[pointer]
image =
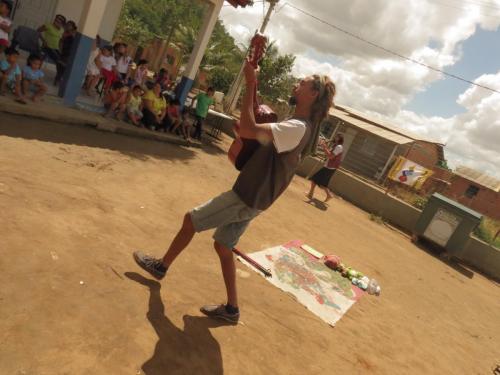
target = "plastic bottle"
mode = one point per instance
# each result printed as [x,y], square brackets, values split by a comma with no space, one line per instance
[373,287]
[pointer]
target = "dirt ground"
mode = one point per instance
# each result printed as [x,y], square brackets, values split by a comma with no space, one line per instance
[75,203]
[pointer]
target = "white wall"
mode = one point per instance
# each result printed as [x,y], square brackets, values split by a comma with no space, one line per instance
[111,15]
[71,9]
[34,13]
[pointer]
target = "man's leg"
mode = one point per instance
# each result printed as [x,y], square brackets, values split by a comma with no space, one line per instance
[226,237]
[180,242]
[158,267]
[231,217]
[228,271]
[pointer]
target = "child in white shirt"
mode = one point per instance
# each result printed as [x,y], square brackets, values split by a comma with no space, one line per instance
[93,72]
[5,24]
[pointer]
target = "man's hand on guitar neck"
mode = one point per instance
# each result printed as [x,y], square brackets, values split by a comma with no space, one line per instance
[248,127]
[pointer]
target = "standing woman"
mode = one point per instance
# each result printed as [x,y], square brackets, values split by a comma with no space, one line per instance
[50,34]
[65,45]
[333,160]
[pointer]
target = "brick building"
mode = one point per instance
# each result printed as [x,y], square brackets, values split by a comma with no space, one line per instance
[475,190]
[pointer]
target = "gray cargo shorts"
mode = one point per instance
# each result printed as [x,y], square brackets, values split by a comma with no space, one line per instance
[228,214]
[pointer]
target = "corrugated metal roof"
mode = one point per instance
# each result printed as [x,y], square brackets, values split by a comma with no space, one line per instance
[479,178]
[383,124]
[379,131]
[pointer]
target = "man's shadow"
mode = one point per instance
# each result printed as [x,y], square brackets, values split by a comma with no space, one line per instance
[190,351]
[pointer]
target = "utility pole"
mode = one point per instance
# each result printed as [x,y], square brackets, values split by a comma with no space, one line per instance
[235,90]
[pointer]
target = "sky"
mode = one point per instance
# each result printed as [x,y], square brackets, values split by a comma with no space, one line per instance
[461,37]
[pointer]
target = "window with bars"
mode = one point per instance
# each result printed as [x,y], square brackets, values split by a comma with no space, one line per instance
[327,129]
[471,191]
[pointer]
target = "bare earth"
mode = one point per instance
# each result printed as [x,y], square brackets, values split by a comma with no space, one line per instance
[74,204]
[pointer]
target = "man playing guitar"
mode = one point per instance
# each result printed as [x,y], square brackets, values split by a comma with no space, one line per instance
[264,177]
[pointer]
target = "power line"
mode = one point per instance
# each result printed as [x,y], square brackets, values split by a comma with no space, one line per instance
[458,7]
[352,35]
[485,4]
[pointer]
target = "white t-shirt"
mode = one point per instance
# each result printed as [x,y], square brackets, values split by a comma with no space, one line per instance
[7,22]
[107,62]
[288,134]
[91,66]
[122,64]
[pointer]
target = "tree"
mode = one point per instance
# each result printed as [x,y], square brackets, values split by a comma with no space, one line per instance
[275,77]
[132,29]
[179,21]
[142,20]
[221,78]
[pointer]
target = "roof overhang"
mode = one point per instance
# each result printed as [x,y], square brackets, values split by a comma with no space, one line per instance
[390,127]
[479,178]
[370,128]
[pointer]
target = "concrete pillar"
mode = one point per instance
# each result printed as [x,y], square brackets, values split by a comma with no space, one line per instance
[204,35]
[88,27]
[110,19]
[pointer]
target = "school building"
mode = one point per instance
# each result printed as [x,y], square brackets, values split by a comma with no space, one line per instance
[99,17]
[371,145]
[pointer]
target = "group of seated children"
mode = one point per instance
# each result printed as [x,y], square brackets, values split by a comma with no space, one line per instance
[102,64]
[28,82]
[112,64]
[57,39]
[11,76]
[151,110]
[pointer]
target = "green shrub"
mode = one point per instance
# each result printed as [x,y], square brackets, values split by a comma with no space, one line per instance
[486,230]
[376,218]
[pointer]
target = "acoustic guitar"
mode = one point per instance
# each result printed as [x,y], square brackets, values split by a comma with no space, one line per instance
[242,149]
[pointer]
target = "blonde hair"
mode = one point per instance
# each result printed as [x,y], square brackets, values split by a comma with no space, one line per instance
[320,108]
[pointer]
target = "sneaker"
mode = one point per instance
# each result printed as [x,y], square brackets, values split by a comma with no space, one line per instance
[152,265]
[220,312]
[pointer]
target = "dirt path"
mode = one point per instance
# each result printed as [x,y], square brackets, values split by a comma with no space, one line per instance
[74,204]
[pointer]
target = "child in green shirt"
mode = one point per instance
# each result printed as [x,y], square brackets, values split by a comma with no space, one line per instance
[203,102]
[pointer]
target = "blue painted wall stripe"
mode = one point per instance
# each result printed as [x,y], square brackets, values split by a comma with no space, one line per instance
[75,70]
[183,88]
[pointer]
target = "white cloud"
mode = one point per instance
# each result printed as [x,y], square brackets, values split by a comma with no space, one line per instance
[372,80]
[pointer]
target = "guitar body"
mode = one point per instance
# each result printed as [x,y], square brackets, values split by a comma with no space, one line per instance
[242,149]
[264,115]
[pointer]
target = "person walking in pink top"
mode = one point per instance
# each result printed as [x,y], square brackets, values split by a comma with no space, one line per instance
[333,160]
